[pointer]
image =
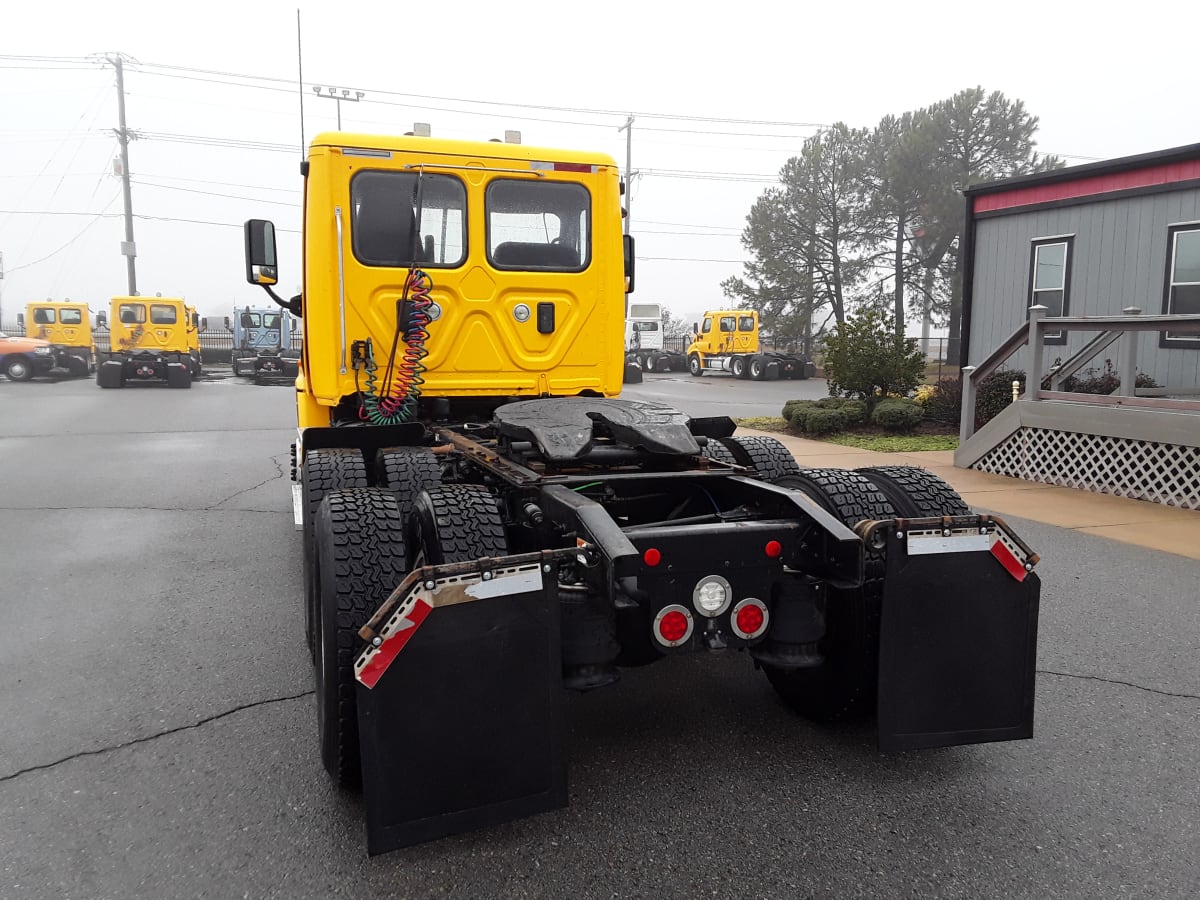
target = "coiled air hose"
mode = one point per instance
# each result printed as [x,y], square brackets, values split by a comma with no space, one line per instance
[395,401]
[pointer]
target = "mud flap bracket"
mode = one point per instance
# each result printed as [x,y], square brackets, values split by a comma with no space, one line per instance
[958,634]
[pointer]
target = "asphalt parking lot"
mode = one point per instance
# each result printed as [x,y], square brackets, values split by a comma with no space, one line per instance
[159,734]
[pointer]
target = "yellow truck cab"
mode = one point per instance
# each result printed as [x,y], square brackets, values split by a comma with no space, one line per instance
[66,325]
[151,339]
[727,340]
[523,287]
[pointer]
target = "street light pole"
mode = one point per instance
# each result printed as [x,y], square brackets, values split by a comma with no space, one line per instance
[338,94]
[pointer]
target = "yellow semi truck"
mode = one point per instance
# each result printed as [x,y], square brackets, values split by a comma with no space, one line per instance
[68,326]
[728,340]
[486,524]
[151,339]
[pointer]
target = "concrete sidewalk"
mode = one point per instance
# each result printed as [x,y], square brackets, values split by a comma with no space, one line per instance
[1152,525]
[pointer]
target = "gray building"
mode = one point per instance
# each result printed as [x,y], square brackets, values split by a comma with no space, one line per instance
[1066,273]
[1088,241]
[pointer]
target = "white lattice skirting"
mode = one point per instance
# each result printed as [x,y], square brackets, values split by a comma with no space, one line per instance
[1144,470]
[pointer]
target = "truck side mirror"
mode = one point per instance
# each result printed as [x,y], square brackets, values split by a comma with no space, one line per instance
[261,266]
[21,320]
[204,324]
[629,263]
[101,320]
[228,324]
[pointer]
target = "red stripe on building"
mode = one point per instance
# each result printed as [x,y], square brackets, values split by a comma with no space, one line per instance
[1167,173]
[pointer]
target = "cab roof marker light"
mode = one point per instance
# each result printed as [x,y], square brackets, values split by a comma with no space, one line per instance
[359,151]
[539,166]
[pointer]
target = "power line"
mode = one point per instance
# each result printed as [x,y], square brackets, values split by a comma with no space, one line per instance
[103,214]
[170,187]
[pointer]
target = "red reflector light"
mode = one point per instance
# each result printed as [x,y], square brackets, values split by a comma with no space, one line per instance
[652,557]
[674,626]
[572,167]
[750,619]
[774,548]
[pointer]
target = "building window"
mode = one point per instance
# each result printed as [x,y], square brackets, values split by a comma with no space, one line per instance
[1050,280]
[1182,295]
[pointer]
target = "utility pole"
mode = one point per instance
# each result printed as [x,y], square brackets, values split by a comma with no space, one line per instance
[628,129]
[128,247]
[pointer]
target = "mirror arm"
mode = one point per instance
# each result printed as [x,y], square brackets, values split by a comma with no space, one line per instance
[293,306]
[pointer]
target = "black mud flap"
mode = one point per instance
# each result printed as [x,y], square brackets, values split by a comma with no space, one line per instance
[465,729]
[958,635]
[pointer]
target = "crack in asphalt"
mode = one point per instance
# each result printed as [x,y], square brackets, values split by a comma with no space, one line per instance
[278,474]
[1140,687]
[153,737]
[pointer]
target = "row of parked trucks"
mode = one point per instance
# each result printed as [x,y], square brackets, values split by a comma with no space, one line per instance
[487,525]
[150,339]
[726,341]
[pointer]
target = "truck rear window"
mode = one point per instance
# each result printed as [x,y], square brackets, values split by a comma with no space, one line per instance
[539,225]
[70,317]
[131,313]
[745,323]
[385,216]
[161,314]
[43,316]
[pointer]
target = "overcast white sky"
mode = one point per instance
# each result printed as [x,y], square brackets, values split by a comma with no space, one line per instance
[1104,82]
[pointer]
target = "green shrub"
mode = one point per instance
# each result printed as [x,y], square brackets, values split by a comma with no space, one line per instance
[1103,381]
[865,359]
[855,411]
[791,406]
[897,415]
[799,414]
[944,403]
[824,421]
[994,394]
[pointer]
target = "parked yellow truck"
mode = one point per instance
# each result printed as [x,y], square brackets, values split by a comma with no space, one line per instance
[151,339]
[487,524]
[728,340]
[68,326]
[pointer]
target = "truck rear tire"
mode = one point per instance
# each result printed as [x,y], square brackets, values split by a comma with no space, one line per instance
[844,684]
[455,523]
[715,449]
[406,471]
[758,368]
[737,366]
[324,470]
[767,456]
[695,366]
[650,363]
[361,557]
[917,492]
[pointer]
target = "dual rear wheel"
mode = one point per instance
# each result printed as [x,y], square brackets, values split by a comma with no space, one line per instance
[366,541]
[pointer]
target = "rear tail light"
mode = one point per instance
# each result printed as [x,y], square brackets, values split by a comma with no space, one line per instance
[749,619]
[673,625]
